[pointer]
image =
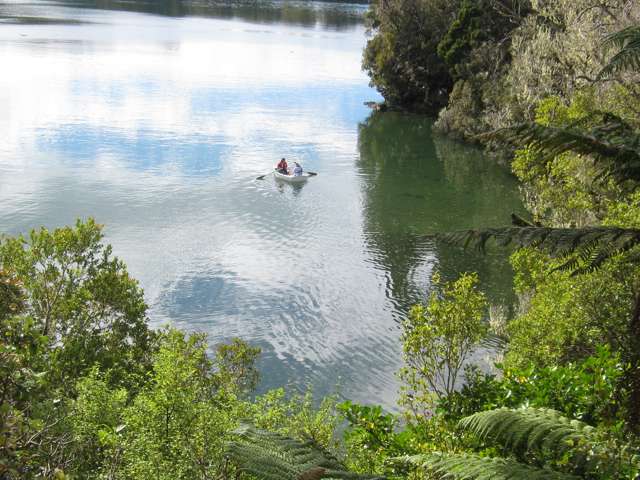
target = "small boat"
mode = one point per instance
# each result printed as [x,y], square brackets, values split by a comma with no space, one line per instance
[291,178]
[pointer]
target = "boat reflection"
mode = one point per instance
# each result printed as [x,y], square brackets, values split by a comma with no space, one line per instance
[294,187]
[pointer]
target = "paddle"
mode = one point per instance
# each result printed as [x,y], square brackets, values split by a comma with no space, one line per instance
[262,176]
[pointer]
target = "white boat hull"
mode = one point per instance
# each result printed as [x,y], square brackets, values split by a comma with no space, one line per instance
[291,178]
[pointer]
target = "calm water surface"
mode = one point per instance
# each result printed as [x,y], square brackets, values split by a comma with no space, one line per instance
[156,118]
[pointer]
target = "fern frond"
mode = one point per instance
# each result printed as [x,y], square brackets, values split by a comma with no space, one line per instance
[613,144]
[627,41]
[589,247]
[529,429]
[472,467]
[271,456]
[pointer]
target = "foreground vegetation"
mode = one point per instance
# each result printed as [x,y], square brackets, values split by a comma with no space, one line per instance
[87,390]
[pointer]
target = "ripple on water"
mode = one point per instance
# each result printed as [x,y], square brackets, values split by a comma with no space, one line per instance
[158,127]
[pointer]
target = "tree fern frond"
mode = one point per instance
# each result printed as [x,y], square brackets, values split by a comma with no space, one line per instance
[473,467]
[271,456]
[518,221]
[622,37]
[590,246]
[613,144]
[627,41]
[528,430]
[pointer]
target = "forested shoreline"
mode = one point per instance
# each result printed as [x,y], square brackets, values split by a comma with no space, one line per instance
[482,65]
[89,390]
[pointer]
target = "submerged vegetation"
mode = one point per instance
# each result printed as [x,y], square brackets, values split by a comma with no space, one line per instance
[88,390]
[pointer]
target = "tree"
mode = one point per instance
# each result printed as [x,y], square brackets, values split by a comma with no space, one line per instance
[480,22]
[535,443]
[97,426]
[298,416]
[33,438]
[236,367]
[401,56]
[83,300]
[613,144]
[176,425]
[438,338]
[584,250]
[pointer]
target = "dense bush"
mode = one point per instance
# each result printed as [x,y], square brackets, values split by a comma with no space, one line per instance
[437,340]
[484,64]
[88,391]
[83,301]
[401,56]
[585,390]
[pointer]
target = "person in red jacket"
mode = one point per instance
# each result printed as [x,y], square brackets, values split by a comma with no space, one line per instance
[283,167]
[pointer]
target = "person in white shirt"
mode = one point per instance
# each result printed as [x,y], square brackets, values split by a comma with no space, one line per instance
[297,170]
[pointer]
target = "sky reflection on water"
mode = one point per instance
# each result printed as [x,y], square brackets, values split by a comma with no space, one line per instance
[157,126]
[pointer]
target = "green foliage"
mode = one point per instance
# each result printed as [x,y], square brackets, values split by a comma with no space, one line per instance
[543,436]
[296,416]
[478,22]
[82,299]
[460,117]
[573,188]
[528,430]
[438,338]
[465,33]
[401,56]
[585,390]
[612,143]
[370,422]
[627,41]
[11,295]
[97,423]
[534,442]
[561,191]
[566,317]
[624,213]
[469,467]
[236,370]
[30,416]
[87,391]
[177,424]
[374,438]
[271,456]
[371,437]
[582,249]
[33,418]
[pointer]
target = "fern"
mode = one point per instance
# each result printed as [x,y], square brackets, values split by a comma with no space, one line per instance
[535,436]
[271,456]
[627,41]
[584,249]
[529,430]
[471,467]
[612,143]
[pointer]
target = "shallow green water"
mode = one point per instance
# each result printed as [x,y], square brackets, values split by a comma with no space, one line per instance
[156,118]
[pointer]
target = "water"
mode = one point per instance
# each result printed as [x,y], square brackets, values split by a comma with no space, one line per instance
[156,118]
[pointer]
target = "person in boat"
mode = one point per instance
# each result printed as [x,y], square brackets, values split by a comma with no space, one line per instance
[282,167]
[297,170]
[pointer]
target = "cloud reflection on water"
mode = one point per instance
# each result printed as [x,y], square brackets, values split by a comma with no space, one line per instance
[158,127]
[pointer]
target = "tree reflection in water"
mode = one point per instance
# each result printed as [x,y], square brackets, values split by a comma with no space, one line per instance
[416,183]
